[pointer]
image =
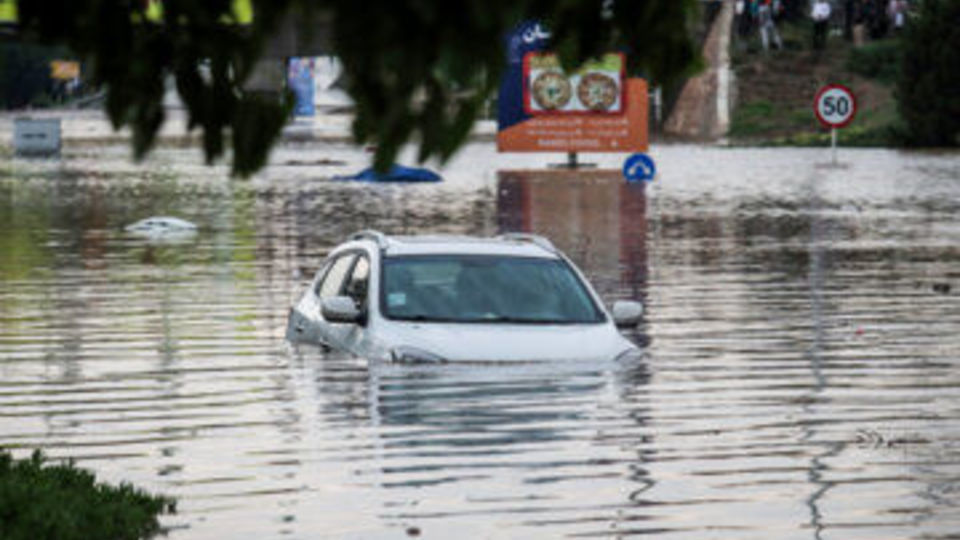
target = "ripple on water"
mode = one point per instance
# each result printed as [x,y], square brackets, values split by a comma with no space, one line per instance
[799,378]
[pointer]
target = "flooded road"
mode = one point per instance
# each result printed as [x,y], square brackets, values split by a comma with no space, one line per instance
[800,378]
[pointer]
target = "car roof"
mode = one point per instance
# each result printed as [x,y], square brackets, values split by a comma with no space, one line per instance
[510,245]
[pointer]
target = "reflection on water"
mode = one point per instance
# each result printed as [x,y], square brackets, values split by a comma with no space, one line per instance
[592,215]
[799,378]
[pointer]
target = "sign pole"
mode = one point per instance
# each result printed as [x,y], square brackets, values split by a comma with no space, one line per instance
[833,144]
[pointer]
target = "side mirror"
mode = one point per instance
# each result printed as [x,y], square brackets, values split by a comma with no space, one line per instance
[627,313]
[340,309]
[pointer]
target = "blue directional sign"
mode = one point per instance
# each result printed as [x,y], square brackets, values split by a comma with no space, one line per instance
[300,80]
[639,168]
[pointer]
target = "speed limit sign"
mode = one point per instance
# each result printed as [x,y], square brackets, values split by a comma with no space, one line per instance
[835,106]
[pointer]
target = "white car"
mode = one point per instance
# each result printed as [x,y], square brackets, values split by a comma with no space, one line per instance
[436,299]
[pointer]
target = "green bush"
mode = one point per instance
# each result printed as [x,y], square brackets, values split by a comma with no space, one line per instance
[752,118]
[927,86]
[60,502]
[876,60]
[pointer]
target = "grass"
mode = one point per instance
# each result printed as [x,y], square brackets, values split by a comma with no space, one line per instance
[760,118]
[40,500]
[879,60]
[854,136]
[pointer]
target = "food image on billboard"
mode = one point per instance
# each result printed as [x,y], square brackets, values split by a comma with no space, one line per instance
[595,88]
[598,92]
[550,91]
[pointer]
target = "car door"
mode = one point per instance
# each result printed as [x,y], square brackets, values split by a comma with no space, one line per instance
[301,327]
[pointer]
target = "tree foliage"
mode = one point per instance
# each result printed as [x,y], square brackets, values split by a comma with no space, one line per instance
[40,500]
[418,70]
[928,88]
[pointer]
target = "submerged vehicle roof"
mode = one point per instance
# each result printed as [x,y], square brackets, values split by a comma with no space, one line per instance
[510,245]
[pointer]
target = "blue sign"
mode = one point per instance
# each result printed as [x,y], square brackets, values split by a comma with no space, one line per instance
[639,168]
[300,79]
[529,36]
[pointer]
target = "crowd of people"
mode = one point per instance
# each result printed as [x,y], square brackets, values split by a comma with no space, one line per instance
[874,19]
[856,20]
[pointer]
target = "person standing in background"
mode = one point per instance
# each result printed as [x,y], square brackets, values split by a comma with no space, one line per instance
[876,19]
[859,23]
[848,9]
[821,20]
[743,19]
[768,28]
[897,11]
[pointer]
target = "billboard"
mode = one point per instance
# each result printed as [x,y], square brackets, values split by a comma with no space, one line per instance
[542,108]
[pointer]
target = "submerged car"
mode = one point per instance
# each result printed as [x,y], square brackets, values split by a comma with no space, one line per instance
[437,299]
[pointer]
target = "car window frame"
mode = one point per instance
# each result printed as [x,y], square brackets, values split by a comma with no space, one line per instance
[360,255]
[320,276]
[601,314]
[331,262]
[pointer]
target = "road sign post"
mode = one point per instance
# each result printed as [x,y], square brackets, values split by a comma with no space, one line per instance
[835,107]
[833,146]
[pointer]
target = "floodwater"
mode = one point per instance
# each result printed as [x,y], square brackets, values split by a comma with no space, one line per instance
[800,375]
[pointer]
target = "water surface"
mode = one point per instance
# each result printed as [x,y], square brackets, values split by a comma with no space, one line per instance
[799,377]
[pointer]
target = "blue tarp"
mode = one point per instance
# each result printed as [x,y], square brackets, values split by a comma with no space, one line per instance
[397,173]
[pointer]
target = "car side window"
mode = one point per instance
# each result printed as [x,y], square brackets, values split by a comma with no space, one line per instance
[332,283]
[358,284]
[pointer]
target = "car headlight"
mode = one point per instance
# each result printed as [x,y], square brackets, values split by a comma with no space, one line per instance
[413,355]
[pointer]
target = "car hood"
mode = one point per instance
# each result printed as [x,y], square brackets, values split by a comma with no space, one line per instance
[509,342]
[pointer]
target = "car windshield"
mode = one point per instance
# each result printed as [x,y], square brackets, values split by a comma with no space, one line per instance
[485,289]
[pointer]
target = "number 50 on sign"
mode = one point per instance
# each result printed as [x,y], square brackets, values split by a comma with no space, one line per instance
[835,106]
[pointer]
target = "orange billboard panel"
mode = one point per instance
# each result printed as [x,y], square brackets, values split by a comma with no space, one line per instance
[623,128]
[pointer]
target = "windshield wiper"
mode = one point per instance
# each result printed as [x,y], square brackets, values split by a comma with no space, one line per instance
[498,319]
[423,318]
[507,319]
